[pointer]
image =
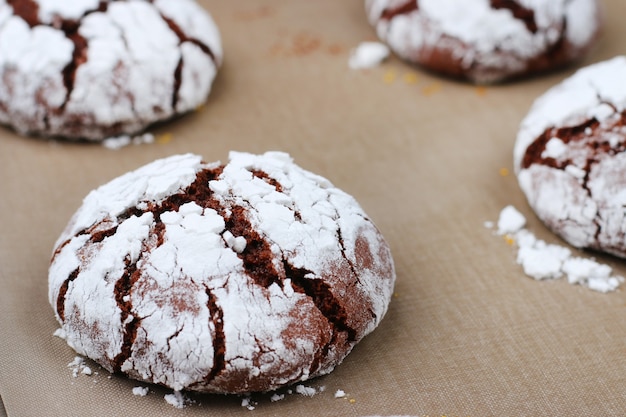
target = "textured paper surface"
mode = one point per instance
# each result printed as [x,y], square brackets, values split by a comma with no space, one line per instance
[467,333]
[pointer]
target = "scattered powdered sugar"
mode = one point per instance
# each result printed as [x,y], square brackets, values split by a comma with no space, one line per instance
[248,403]
[115,143]
[306,391]
[77,365]
[176,399]
[510,220]
[340,393]
[277,397]
[541,260]
[141,391]
[367,55]
[251,403]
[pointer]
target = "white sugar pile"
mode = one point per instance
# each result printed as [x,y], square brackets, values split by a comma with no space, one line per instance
[118,142]
[367,55]
[541,260]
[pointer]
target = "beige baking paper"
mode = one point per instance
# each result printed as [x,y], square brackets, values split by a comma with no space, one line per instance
[430,160]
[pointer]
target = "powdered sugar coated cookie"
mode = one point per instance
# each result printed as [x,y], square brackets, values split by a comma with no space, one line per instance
[486,41]
[570,157]
[221,278]
[92,69]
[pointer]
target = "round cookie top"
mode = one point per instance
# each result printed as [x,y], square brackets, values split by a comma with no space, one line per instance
[92,69]
[570,157]
[220,278]
[486,41]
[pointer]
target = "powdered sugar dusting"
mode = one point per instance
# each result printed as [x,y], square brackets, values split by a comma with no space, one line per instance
[583,95]
[175,273]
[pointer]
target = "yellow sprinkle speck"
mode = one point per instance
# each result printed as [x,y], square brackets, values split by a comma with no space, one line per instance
[164,138]
[389,77]
[509,240]
[504,172]
[431,89]
[200,107]
[395,294]
[352,401]
[410,78]
[481,91]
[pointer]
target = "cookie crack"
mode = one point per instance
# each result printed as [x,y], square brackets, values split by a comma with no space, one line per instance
[182,38]
[216,318]
[322,296]
[526,15]
[591,128]
[28,10]
[406,8]
[122,290]
[60,304]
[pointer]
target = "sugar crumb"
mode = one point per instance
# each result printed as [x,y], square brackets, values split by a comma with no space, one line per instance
[306,391]
[248,403]
[510,220]
[368,55]
[340,394]
[141,391]
[118,142]
[544,261]
[277,397]
[175,399]
[60,333]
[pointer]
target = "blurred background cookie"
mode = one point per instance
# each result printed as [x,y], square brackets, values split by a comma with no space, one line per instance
[487,41]
[94,69]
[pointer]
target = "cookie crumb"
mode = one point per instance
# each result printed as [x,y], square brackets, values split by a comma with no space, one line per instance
[431,89]
[141,391]
[368,55]
[389,77]
[410,78]
[340,394]
[481,91]
[163,139]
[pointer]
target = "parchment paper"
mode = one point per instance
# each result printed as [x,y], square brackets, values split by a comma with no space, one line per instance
[467,333]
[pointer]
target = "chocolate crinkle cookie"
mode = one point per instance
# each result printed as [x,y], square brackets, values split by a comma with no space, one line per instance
[570,157]
[487,41]
[229,278]
[92,69]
